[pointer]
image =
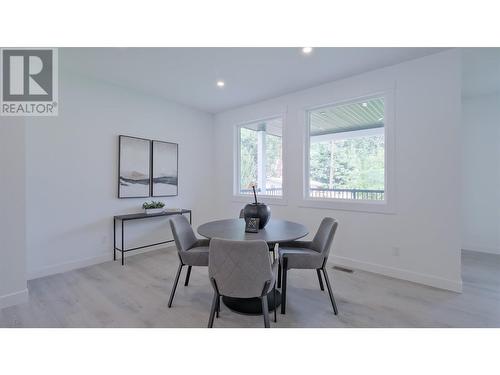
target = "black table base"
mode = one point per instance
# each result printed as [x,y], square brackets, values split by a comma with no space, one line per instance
[251,306]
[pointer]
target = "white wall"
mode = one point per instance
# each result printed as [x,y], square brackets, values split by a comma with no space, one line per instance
[71,171]
[425,229]
[12,212]
[481,173]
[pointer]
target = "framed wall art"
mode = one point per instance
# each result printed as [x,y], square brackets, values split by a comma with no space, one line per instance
[134,167]
[165,169]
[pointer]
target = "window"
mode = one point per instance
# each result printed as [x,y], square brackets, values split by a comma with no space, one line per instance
[347,151]
[260,157]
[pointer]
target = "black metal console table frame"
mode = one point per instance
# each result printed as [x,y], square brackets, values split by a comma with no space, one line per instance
[140,216]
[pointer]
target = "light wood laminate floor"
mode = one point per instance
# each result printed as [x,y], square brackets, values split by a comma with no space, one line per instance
[109,295]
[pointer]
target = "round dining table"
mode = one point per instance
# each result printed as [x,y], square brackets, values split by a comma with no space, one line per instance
[275,231]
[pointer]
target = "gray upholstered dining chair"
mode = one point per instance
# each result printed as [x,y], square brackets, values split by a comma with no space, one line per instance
[241,269]
[191,250]
[308,255]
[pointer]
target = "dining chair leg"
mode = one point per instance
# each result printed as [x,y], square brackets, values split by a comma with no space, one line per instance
[275,303]
[218,308]
[279,274]
[283,287]
[172,293]
[318,271]
[272,246]
[265,311]
[213,309]
[329,287]
[187,276]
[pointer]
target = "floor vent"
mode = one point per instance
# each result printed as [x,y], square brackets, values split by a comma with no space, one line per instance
[342,269]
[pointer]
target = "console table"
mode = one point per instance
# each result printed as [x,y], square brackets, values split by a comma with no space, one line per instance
[140,216]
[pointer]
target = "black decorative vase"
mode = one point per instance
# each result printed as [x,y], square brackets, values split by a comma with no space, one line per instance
[259,210]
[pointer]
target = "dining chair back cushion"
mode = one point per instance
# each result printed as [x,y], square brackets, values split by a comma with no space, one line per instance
[183,233]
[322,241]
[239,268]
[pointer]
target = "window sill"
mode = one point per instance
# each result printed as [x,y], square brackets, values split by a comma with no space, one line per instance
[383,207]
[271,201]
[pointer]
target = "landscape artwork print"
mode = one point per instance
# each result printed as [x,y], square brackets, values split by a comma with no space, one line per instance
[134,167]
[165,169]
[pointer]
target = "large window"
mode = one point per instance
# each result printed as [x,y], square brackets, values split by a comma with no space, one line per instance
[347,151]
[260,157]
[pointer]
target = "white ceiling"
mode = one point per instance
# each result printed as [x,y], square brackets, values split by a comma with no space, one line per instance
[481,71]
[189,75]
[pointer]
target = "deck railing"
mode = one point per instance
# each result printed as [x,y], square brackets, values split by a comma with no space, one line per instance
[270,191]
[354,194]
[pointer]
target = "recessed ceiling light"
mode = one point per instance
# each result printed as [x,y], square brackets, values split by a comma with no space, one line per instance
[220,84]
[323,113]
[381,119]
[364,104]
[307,50]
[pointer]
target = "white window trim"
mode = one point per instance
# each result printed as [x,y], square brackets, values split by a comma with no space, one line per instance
[268,199]
[387,206]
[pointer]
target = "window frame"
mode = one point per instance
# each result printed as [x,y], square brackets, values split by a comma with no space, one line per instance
[385,206]
[270,199]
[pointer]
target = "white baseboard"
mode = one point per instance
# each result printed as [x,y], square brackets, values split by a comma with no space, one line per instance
[81,263]
[420,278]
[481,249]
[15,298]
[68,266]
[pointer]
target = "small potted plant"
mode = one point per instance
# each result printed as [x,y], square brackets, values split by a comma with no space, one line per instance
[153,207]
